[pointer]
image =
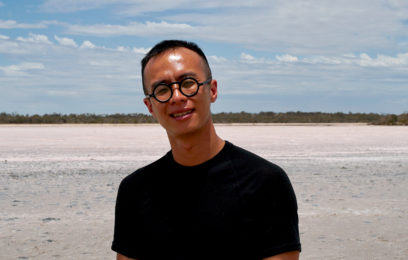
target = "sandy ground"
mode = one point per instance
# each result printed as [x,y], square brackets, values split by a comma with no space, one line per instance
[58,185]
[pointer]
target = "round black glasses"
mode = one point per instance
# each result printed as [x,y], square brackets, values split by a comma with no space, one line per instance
[188,87]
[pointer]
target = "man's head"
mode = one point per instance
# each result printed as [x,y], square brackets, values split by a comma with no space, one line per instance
[179,87]
[169,45]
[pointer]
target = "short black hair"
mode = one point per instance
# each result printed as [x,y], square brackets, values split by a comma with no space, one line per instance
[171,44]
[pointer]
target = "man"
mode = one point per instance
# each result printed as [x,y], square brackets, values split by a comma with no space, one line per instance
[206,198]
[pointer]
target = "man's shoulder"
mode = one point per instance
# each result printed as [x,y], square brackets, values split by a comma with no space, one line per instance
[258,180]
[249,164]
[143,174]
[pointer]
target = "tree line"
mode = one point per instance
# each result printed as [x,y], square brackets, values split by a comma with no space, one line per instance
[241,117]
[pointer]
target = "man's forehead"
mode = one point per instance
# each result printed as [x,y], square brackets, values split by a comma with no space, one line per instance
[174,55]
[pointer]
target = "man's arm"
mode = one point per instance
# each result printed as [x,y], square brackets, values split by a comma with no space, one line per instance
[122,257]
[292,255]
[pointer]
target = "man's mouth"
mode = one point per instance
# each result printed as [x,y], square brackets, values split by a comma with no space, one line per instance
[181,114]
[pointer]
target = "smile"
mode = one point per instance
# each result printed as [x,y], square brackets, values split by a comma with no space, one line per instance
[182,114]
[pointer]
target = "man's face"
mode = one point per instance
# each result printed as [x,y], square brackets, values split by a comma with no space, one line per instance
[181,115]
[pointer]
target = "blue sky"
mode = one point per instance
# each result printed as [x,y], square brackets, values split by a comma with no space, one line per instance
[82,56]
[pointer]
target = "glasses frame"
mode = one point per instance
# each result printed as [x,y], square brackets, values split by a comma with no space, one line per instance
[179,88]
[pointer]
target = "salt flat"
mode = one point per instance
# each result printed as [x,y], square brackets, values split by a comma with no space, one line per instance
[58,185]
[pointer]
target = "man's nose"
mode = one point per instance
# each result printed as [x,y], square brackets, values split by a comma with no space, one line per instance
[177,95]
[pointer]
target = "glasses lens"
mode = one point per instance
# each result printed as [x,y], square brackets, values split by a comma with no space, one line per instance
[189,87]
[162,92]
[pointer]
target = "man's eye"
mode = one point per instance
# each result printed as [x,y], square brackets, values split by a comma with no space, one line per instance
[161,90]
[188,84]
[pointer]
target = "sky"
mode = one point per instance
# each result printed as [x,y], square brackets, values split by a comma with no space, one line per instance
[83,56]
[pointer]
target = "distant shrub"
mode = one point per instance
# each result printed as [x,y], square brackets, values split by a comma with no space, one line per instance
[241,117]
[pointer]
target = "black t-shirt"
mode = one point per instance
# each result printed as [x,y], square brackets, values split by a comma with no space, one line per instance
[237,205]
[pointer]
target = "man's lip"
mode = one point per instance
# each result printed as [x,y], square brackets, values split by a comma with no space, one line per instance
[181,113]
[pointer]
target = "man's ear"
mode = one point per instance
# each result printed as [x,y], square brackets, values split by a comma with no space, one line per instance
[213,90]
[148,104]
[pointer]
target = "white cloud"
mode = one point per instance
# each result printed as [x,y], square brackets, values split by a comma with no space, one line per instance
[108,78]
[4,37]
[287,58]
[363,60]
[30,66]
[217,59]
[140,29]
[87,45]
[384,61]
[166,25]
[103,80]
[11,24]
[35,38]
[9,47]
[137,7]
[75,5]
[65,41]
[329,60]
[121,7]
[1,4]
[298,27]
[28,46]
[122,48]
[104,63]
[140,50]
[19,70]
[247,57]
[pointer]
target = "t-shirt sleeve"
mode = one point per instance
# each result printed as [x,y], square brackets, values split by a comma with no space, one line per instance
[124,238]
[276,216]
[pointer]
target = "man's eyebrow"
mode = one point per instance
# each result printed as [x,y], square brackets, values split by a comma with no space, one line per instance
[154,84]
[180,77]
[188,74]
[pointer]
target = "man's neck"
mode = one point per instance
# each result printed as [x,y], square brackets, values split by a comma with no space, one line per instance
[196,148]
